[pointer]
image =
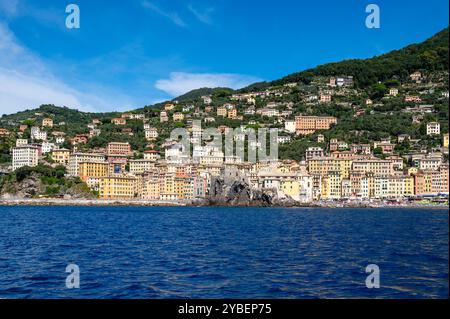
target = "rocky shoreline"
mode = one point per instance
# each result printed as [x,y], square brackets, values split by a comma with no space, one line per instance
[143,203]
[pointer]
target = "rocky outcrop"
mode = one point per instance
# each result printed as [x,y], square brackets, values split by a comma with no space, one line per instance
[27,188]
[32,186]
[238,193]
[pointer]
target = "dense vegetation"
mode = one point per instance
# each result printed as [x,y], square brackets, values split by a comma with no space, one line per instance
[357,122]
[43,181]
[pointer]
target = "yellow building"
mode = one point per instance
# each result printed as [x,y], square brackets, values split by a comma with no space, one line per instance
[323,165]
[331,185]
[47,122]
[222,111]
[169,107]
[290,187]
[61,156]
[184,187]
[151,188]
[88,170]
[178,117]
[375,166]
[445,142]
[167,181]
[117,187]
[232,113]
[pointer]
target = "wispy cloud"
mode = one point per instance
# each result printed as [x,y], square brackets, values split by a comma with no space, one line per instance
[27,82]
[181,82]
[172,16]
[203,16]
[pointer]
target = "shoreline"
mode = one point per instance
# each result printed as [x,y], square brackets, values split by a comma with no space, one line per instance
[144,203]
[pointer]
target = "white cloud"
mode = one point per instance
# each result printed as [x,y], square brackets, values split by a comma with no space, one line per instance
[19,91]
[26,82]
[172,16]
[180,82]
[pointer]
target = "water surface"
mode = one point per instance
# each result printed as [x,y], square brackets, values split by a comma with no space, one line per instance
[173,252]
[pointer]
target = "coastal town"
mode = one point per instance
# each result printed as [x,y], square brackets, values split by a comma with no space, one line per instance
[333,169]
[364,132]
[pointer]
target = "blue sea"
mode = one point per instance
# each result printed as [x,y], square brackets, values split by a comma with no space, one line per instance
[189,252]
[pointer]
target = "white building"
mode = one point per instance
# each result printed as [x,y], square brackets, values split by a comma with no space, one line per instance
[314,152]
[25,156]
[141,166]
[433,128]
[21,142]
[151,134]
[37,134]
[283,139]
[289,126]
[47,147]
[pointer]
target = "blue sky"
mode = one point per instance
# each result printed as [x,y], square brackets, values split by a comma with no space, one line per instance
[131,53]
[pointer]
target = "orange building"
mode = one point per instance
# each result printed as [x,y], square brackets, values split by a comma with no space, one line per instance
[119,149]
[309,124]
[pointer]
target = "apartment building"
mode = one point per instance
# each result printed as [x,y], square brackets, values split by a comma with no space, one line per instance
[141,166]
[37,134]
[60,156]
[433,128]
[374,166]
[323,165]
[25,156]
[332,185]
[88,170]
[119,149]
[313,152]
[152,155]
[21,142]
[76,158]
[222,111]
[232,114]
[393,186]
[163,117]
[306,125]
[47,147]
[117,187]
[151,134]
[432,182]
[178,117]
[290,126]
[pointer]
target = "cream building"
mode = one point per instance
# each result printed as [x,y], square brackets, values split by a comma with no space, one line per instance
[25,156]
[76,158]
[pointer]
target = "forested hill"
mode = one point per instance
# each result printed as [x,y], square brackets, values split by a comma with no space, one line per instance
[430,55]
[59,114]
